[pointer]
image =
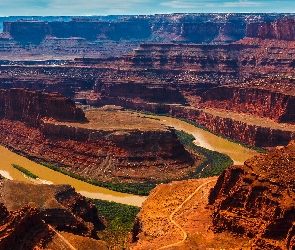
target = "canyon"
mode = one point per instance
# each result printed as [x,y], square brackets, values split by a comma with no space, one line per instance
[102,144]
[68,37]
[231,74]
[178,78]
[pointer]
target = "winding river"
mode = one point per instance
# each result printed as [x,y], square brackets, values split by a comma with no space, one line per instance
[203,138]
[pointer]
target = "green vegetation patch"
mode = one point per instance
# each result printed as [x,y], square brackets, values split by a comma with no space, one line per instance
[120,220]
[149,117]
[214,162]
[25,171]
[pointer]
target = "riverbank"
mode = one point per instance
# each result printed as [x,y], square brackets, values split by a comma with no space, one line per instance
[208,140]
[203,138]
[8,157]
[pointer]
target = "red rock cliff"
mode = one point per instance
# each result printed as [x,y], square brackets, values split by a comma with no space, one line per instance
[258,101]
[58,205]
[281,29]
[257,199]
[30,106]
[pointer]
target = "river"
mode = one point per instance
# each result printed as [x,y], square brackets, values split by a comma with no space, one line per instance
[203,138]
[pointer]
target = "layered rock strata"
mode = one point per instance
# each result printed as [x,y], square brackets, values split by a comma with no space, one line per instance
[281,29]
[257,199]
[255,100]
[23,228]
[156,75]
[110,146]
[30,106]
[251,130]
[59,205]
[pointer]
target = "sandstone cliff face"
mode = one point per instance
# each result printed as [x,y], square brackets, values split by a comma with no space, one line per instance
[259,133]
[281,29]
[186,57]
[255,101]
[200,28]
[126,156]
[110,36]
[30,106]
[134,28]
[257,199]
[139,91]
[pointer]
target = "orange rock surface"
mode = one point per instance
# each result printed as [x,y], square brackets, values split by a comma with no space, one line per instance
[154,229]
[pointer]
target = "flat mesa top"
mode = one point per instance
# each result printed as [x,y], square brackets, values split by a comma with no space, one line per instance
[102,119]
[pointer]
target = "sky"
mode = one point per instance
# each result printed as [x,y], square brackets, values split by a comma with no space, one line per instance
[116,7]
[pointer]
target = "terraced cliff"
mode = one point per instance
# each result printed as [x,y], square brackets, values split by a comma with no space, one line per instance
[159,77]
[30,106]
[107,36]
[256,199]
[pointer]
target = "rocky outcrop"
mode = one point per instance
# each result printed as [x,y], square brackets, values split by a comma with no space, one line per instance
[257,199]
[108,36]
[26,31]
[200,28]
[58,205]
[250,205]
[31,216]
[31,106]
[23,229]
[115,155]
[140,91]
[48,127]
[222,58]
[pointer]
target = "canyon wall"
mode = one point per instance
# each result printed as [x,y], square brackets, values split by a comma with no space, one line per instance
[35,31]
[109,36]
[23,228]
[59,205]
[260,135]
[156,75]
[30,106]
[268,103]
[256,199]
[281,29]
[121,155]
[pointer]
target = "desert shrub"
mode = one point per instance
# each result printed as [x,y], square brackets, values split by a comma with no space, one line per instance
[120,219]
[25,171]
